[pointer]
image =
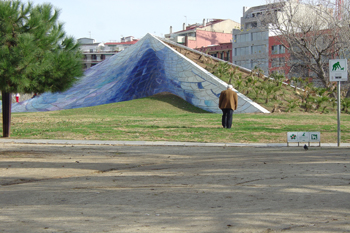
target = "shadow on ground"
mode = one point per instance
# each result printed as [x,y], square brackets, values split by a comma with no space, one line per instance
[173,189]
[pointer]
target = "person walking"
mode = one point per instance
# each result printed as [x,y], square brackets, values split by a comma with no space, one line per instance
[228,102]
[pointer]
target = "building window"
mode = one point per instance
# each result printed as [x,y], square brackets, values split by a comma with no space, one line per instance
[278,49]
[244,63]
[282,61]
[242,51]
[112,47]
[256,36]
[251,25]
[93,57]
[103,56]
[282,49]
[258,63]
[243,37]
[277,62]
[274,49]
[274,62]
[258,49]
[259,36]
[228,55]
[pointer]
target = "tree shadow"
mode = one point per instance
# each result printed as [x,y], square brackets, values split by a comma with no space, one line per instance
[177,102]
[184,189]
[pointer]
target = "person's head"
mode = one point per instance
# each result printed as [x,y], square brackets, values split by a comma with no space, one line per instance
[229,86]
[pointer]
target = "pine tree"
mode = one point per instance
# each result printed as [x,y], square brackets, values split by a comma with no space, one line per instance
[35,54]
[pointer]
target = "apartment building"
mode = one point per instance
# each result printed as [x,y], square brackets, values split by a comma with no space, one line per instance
[256,43]
[250,45]
[96,52]
[209,32]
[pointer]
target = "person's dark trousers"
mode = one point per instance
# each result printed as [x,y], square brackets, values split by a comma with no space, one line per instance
[227,117]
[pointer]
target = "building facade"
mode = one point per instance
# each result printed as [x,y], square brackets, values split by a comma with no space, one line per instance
[279,57]
[210,32]
[250,48]
[250,45]
[94,53]
[281,61]
[256,43]
[222,51]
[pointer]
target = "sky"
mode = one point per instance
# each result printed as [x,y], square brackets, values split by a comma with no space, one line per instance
[109,20]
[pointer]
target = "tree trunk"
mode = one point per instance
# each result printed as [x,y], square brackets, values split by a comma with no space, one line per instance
[6,113]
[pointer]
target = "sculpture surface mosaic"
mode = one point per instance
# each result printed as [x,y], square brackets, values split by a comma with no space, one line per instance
[144,69]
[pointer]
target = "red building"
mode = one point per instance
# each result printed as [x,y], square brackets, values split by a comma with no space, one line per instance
[280,59]
[222,51]
[278,56]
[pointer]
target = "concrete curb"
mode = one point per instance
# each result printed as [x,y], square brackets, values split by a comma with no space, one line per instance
[162,143]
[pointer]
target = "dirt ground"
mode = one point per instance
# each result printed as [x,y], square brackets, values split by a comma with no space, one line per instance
[80,188]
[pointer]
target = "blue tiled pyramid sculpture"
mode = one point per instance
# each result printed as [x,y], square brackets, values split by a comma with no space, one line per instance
[147,68]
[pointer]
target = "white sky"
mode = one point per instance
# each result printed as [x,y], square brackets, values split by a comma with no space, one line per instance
[109,20]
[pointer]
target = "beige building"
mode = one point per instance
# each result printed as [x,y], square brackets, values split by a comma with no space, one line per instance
[95,52]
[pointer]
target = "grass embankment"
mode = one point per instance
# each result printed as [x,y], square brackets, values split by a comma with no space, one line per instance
[269,91]
[169,118]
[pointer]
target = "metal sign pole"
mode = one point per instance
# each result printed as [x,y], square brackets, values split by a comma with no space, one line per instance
[338,113]
[338,71]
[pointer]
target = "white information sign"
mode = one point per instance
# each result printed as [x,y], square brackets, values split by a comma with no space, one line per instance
[338,70]
[315,136]
[292,137]
[303,136]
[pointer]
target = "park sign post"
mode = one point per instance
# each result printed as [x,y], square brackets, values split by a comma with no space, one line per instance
[338,71]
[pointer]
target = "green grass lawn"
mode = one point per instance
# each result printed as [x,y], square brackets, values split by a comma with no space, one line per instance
[169,118]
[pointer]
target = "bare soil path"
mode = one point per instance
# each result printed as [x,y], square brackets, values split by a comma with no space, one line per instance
[81,188]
